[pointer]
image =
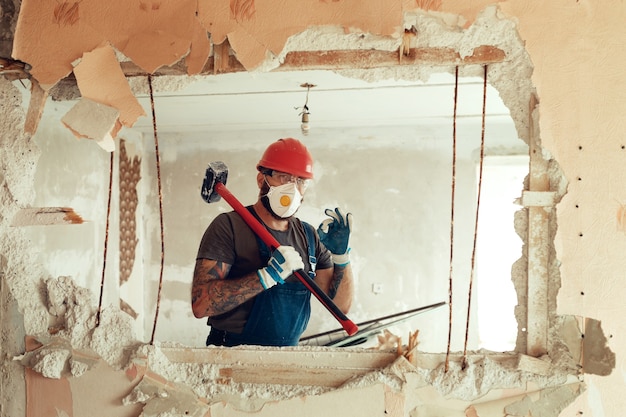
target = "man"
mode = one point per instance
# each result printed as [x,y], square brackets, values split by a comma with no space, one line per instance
[250,295]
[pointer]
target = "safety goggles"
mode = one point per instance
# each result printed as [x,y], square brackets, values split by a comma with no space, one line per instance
[284,178]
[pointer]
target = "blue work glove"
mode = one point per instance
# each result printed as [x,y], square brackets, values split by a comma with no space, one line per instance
[284,261]
[334,233]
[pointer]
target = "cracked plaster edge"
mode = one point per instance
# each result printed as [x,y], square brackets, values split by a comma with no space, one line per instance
[159,394]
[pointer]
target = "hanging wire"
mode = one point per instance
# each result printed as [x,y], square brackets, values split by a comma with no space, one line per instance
[306,101]
[158,168]
[480,184]
[106,240]
[305,109]
[456,92]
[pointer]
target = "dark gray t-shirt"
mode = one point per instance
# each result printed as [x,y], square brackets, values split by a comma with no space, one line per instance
[230,240]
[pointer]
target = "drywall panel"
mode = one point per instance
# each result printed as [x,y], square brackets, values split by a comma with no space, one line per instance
[100,78]
[575,48]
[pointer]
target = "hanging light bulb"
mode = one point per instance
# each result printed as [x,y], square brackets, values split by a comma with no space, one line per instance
[305,121]
[304,126]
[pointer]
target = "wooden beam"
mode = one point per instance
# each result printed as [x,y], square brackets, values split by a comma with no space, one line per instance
[221,57]
[222,63]
[336,60]
[538,244]
[313,367]
[37,102]
[368,59]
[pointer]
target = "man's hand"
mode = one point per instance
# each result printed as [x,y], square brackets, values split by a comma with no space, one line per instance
[284,261]
[334,233]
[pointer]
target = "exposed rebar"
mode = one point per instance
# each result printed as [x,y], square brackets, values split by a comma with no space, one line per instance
[106,240]
[158,169]
[456,93]
[480,184]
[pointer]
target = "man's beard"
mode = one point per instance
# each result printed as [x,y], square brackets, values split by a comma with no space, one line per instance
[266,201]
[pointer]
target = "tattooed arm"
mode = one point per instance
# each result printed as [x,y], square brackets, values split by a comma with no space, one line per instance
[338,284]
[213,294]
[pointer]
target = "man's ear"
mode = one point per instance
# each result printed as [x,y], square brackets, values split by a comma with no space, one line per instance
[260,178]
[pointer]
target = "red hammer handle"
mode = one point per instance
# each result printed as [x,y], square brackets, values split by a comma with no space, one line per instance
[270,241]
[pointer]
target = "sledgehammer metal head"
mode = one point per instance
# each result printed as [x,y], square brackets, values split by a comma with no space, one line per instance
[217,172]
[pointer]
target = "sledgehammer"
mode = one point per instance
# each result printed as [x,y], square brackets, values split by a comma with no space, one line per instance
[214,187]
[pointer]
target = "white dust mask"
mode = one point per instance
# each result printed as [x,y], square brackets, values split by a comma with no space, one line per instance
[284,199]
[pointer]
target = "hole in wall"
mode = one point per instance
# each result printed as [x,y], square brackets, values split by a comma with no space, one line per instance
[383,149]
[418,146]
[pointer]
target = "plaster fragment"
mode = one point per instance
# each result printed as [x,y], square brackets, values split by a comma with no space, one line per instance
[114,339]
[534,365]
[401,366]
[391,376]
[394,402]
[126,308]
[49,359]
[162,397]
[71,307]
[78,368]
[550,403]
[73,310]
[597,356]
[471,412]
[92,120]
[200,49]
[569,331]
[55,358]
[50,362]
[42,216]
[101,79]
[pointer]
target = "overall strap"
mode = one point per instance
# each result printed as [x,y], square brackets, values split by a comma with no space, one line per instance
[309,231]
[264,250]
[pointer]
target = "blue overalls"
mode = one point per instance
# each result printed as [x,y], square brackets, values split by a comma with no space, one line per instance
[280,314]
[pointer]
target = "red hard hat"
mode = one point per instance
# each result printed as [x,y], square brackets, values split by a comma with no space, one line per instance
[288,155]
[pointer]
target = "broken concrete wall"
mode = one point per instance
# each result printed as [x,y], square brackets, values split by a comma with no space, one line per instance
[14,192]
[575,48]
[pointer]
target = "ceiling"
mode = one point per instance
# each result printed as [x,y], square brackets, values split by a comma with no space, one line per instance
[274,100]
